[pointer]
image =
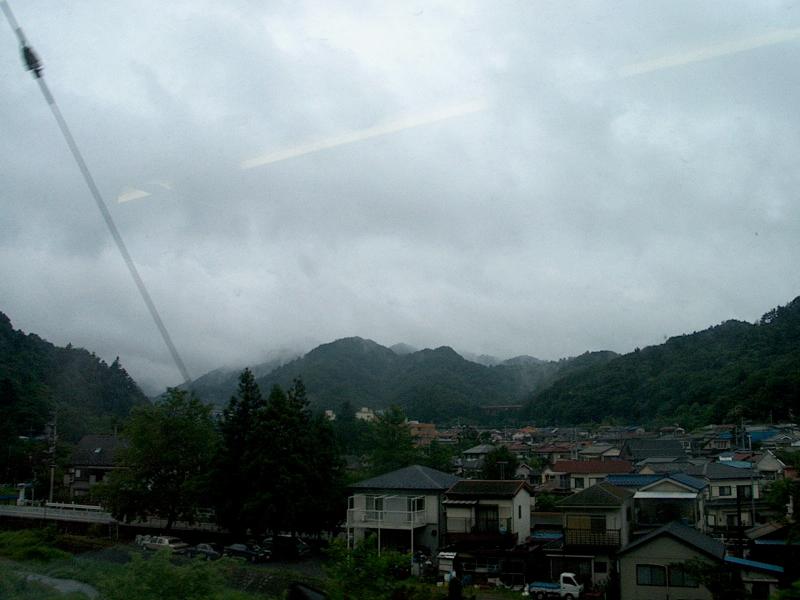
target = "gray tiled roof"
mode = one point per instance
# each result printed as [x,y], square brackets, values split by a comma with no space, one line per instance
[716,471]
[415,477]
[486,488]
[685,534]
[602,495]
[642,448]
[97,450]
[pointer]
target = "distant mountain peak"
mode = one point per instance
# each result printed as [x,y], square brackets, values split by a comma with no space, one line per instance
[402,349]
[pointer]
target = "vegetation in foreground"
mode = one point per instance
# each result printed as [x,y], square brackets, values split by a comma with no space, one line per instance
[121,573]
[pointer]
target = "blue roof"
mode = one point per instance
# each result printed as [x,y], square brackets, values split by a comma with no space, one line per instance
[633,480]
[760,436]
[776,543]
[685,479]
[547,535]
[637,480]
[753,564]
[739,464]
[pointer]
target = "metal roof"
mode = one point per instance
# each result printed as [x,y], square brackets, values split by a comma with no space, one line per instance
[685,479]
[753,564]
[633,480]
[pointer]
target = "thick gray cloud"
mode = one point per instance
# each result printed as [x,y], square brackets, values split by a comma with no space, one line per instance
[632,175]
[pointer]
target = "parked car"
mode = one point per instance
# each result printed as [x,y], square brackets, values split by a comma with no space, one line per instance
[287,547]
[159,542]
[204,551]
[250,553]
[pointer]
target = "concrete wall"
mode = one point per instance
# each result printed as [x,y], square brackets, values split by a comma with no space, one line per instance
[522,524]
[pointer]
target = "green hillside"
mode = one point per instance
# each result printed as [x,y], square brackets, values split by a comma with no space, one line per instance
[37,377]
[733,369]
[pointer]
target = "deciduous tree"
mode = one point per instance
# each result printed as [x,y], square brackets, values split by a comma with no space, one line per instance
[165,467]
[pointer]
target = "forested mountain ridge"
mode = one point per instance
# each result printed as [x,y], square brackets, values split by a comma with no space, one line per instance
[431,384]
[730,370]
[37,377]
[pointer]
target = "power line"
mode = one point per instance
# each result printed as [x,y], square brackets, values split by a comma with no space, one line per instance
[33,64]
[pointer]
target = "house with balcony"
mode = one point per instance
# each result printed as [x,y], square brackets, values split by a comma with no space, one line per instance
[487,513]
[674,497]
[403,509]
[596,522]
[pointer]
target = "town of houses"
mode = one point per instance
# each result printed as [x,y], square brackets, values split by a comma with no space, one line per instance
[622,508]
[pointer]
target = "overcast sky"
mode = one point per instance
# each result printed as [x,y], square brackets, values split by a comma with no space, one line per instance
[507,178]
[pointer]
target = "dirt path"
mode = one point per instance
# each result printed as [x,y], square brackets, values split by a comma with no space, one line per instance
[65,586]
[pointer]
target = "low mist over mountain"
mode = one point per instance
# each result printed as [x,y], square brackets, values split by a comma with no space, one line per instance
[219,385]
[37,377]
[437,384]
[733,370]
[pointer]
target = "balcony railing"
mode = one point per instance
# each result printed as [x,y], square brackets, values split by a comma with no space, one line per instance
[480,525]
[588,537]
[388,519]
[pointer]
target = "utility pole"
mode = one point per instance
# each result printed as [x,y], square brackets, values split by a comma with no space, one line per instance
[53,441]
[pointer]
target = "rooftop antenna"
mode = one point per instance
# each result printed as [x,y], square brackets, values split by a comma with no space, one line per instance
[34,65]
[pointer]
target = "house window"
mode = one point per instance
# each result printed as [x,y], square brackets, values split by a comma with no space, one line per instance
[577,483]
[651,575]
[519,511]
[743,491]
[678,577]
[587,522]
[77,473]
[416,504]
[724,490]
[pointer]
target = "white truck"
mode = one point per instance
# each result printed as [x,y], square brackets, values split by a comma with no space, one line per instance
[567,588]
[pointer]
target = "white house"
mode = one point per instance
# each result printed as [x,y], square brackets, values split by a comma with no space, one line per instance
[403,508]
